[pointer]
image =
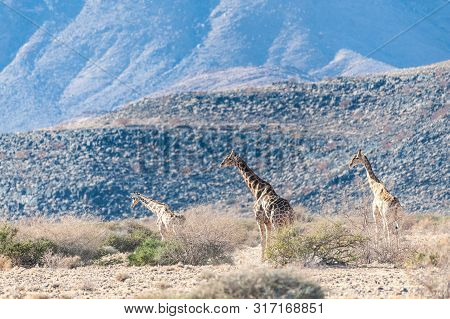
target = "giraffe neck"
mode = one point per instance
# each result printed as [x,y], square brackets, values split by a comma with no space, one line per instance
[257,185]
[370,174]
[152,205]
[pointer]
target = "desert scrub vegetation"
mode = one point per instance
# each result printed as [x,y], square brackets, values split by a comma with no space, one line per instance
[128,237]
[247,284]
[26,253]
[5,263]
[83,236]
[70,241]
[205,238]
[324,242]
[258,284]
[147,253]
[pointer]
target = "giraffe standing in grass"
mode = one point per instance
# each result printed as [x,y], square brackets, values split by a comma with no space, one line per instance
[271,211]
[166,219]
[385,206]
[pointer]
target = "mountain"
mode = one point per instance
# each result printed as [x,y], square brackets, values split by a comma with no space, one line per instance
[93,56]
[299,136]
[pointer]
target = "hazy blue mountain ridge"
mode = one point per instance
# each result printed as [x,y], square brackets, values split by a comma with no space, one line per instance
[150,47]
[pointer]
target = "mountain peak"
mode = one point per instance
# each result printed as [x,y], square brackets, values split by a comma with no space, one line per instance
[102,56]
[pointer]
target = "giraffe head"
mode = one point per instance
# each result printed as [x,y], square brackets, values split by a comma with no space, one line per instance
[135,198]
[230,160]
[357,159]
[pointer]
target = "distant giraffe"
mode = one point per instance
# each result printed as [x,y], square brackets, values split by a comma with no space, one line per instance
[271,211]
[385,205]
[166,219]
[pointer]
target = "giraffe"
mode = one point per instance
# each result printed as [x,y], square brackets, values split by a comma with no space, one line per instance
[271,211]
[166,219]
[385,205]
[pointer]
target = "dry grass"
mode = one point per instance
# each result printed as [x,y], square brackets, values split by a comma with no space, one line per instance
[210,236]
[205,238]
[37,296]
[322,241]
[87,286]
[5,263]
[248,284]
[258,284]
[204,221]
[121,276]
[423,241]
[52,260]
[74,236]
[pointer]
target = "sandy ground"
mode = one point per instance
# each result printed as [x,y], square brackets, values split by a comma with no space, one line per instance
[121,281]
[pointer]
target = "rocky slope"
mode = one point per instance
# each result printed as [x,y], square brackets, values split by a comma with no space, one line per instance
[298,136]
[105,53]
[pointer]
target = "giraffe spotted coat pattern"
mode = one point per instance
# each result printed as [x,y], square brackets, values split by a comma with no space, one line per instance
[166,219]
[385,206]
[271,211]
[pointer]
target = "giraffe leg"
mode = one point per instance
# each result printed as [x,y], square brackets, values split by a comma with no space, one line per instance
[397,232]
[385,228]
[262,234]
[268,232]
[396,217]
[162,230]
[375,213]
[397,235]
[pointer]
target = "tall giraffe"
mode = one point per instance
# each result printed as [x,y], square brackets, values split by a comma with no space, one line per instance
[271,211]
[385,205]
[166,218]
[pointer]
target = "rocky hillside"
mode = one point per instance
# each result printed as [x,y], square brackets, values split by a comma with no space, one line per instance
[298,136]
[93,56]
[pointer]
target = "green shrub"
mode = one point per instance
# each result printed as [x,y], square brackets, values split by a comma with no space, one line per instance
[131,240]
[261,284]
[156,252]
[29,253]
[195,251]
[171,252]
[329,243]
[147,253]
[26,253]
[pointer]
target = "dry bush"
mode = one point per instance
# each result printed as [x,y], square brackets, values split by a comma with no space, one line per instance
[52,260]
[162,294]
[323,242]
[206,237]
[302,214]
[86,286]
[423,239]
[436,283]
[128,235]
[246,284]
[39,295]
[258,284]
[426,223]
[73,236]
[26,253]
[112,259]
[5,263]
[121,276]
